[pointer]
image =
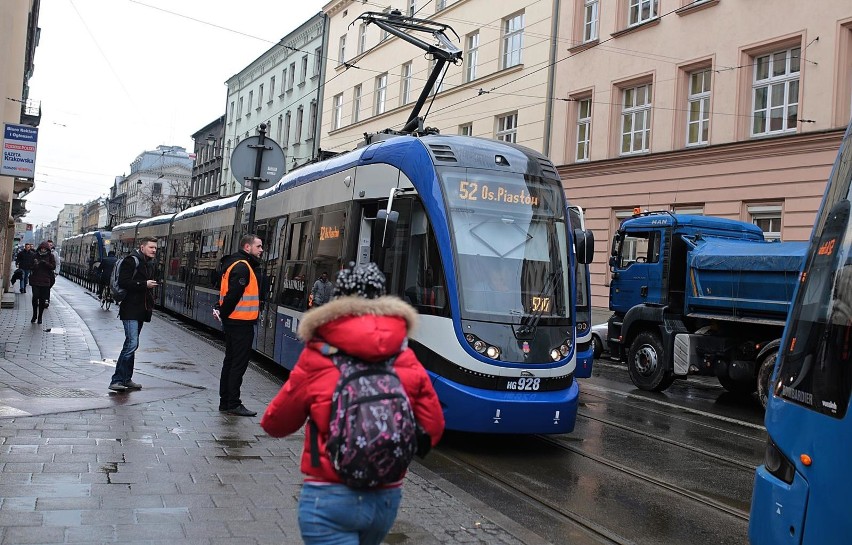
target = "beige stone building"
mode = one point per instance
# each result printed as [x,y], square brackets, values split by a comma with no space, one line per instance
[18,39]
[372,81]
[726,108]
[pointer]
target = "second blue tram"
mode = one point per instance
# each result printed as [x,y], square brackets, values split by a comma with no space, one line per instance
[801,492]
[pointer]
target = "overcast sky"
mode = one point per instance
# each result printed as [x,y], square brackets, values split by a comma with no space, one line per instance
[118,77]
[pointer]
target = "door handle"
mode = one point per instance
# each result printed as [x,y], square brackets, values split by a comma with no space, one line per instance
[643,291]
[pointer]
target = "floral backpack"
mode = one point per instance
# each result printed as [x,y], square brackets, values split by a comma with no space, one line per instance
[372,431]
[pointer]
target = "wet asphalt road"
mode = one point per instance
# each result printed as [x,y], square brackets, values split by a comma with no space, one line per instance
[670,468]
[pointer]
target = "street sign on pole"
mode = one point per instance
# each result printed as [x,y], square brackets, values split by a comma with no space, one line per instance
[244,162]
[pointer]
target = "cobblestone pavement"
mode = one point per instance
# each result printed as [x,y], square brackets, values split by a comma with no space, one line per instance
[81,464]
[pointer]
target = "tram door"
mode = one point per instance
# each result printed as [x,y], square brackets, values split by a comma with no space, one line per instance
[269,232]
[191,273]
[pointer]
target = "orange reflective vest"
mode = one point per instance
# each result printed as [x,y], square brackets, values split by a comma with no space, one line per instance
[248,307]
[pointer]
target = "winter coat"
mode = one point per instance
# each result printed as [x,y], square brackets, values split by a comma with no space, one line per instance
[237,282]
[104,270]
[372,330]
[42,274]
[139,302]
[25,259]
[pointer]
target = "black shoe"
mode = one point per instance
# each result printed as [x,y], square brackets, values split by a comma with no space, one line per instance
[240,411]
[117,387]
[39,321]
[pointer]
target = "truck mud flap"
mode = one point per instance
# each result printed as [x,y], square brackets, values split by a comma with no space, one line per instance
[683,354]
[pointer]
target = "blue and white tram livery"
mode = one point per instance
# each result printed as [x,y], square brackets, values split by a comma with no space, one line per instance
[583,309]
[483,248]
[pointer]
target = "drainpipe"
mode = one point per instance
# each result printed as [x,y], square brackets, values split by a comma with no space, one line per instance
[551,84]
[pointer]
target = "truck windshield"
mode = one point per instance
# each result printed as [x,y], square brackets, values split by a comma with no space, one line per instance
[510,238]
[816,367]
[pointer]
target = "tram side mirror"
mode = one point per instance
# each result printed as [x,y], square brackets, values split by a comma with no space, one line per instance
[384,228]
[584,242]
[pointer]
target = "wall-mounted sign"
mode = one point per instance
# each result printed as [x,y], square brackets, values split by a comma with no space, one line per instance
[19,151]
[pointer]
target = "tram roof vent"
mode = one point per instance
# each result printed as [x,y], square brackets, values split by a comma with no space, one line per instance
[442,152]
[548,169]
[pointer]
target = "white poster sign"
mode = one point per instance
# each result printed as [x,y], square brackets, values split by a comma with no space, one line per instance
[19,151]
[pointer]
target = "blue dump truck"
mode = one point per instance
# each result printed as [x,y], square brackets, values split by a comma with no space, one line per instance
[699,295]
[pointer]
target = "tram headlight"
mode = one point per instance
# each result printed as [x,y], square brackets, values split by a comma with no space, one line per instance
[564,349]
[777,464]
[555,355]
[470,338]
[483,347]
[492,352]
[479,346]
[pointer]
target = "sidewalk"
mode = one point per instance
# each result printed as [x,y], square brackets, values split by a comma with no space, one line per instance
[81,464]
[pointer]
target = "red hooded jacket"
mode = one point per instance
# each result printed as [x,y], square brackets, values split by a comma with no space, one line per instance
[369,329]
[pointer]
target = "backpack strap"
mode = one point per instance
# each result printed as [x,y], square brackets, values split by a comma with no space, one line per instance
[315,457]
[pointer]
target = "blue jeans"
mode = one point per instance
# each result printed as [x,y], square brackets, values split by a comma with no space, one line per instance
[25,276]
[127,357]
[334,514]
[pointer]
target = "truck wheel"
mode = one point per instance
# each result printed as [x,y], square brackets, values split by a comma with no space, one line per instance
[738,387]
[764,376]
[646,363]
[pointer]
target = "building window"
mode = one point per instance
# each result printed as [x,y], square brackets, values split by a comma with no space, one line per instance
[641,11]
[472,56]
[405,92]
[304,69]
[385,34]
[240,108]
[356,104]
[337,111]
[283,81]
[507,128]
[698,108]
[466,129]
[636,119]
[768,218]
[440,4]
[286,140]
[341,50]
[259,96]
[280,127]
[250,103]
[381,93]
[690,209]
[412,7]
[292,76]
[590,20]
[231,114]
[312,120]
[362,38]
[513,40]
[317,61]
[300,114]
[776,92]
[439,83]
[584,128]
[271,88]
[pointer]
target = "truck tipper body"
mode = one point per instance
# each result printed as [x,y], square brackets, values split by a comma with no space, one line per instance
[699,295]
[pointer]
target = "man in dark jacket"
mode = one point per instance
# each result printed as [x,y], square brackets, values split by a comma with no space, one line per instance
[105,268]
[135,274]
[238,309]
[25,261]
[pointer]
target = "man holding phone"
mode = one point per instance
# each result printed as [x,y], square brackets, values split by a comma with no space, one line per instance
[136,275]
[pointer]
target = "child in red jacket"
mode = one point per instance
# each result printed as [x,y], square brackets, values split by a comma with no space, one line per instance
[367,324]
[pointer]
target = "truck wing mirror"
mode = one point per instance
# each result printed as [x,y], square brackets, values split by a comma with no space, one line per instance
[384,228]
[584,242]
[616,241]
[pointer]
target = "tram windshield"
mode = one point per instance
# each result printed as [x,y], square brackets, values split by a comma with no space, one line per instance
[510,239]
[816,367]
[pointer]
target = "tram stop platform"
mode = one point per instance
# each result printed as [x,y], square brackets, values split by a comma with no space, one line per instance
[82,464]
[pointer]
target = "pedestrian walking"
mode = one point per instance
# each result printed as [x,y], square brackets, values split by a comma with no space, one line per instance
[365,325]
[321,291]
[238,309]
[136,275]
[42,279]
[25,261]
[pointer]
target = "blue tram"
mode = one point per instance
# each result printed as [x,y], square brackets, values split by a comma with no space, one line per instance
[583,312]
[801,491]
[473,233]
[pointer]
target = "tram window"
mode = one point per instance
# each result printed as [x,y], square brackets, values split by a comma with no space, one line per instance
[816,370]
[328,255]
[293,287]
[424,274]
[298,246]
